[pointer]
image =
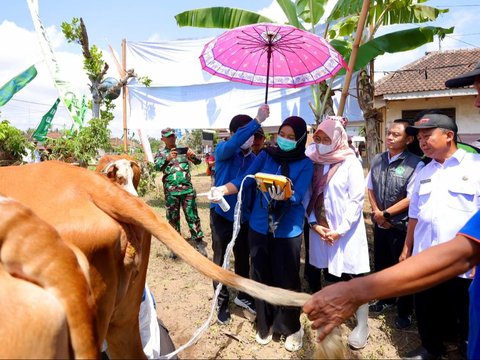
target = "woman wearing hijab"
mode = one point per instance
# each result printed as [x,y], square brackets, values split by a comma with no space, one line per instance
[276,227]
[334,207]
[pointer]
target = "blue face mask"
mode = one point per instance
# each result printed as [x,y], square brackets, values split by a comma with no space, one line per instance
[286,144]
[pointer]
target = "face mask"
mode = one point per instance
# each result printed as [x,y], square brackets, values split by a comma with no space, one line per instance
[324,149]
[310,150]
[286,144]
[247,143]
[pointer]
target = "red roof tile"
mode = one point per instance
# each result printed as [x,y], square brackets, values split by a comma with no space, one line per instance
[428,73]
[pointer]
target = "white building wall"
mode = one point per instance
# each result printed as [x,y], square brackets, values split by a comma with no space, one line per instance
[467,116]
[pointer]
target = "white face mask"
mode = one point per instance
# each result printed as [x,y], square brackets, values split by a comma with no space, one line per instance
[247,144]
[324,149]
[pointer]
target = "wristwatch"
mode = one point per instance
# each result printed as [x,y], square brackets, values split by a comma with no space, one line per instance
[312,224]
[386,214]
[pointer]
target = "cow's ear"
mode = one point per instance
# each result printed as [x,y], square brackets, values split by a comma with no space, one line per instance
[137,171]
[111,171]
[134,165]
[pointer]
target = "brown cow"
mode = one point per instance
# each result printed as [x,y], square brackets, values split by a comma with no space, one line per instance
[112,228]
[125,171]
[40,276]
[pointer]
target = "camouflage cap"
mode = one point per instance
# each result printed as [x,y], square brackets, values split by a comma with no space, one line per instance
[259,133]
[168,132]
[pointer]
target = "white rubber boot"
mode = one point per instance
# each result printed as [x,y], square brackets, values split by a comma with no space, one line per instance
[358,337]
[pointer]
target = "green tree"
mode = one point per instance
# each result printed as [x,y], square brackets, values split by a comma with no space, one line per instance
[93,64]
[193,139]
[83,147]
[96,68]
[155,144]
[13,143]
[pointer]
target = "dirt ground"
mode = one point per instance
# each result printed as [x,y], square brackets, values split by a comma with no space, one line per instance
[184,300]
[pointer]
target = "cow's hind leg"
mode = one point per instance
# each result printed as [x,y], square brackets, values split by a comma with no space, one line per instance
[34,324]
[125,344]
[123,336]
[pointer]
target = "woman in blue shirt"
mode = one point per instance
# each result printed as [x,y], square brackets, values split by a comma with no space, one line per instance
[276,228]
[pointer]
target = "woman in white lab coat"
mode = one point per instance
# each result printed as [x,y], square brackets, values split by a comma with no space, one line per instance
[334,209]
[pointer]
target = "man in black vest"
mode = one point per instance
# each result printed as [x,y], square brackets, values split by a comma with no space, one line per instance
[389,184]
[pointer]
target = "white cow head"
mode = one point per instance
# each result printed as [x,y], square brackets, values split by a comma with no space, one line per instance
[121,172]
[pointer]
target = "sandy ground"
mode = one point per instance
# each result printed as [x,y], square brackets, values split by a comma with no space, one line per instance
[184,302]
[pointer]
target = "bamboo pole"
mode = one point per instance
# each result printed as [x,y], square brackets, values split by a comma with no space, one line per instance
[353,56]
[124,97]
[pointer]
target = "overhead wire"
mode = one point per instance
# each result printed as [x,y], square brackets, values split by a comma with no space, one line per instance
[425,69]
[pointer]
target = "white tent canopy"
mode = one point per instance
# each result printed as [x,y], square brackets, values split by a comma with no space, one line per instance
[182,95]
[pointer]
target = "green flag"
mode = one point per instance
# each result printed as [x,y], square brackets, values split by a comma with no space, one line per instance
[16,84]
[77,109]
[40,133]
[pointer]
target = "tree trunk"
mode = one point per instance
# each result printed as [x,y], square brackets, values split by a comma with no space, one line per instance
[372,118]
[365,93]
[96,99]
[95,79]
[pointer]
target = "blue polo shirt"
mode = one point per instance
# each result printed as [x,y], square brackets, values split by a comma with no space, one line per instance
[230,163]
[289,213]
[472,231]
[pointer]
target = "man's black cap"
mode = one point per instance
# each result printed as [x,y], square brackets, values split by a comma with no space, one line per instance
[431,121]
[465,79]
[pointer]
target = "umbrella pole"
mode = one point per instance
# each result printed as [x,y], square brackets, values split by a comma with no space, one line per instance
[269,57]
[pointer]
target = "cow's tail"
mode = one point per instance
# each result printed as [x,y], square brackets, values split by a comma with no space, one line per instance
[129,209]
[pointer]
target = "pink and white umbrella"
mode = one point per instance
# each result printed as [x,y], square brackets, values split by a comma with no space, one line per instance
[280,56]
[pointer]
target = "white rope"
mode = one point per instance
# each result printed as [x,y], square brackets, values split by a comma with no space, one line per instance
[226,265]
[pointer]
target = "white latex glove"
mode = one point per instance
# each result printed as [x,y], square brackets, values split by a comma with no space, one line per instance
[216,193]
[276,193]
[263,113]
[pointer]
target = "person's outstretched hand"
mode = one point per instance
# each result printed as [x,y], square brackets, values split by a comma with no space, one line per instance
[330,307]
[190,153]
[216,194]
[263,113]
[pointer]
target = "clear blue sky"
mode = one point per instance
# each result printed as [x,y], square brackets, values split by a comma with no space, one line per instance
[109,21]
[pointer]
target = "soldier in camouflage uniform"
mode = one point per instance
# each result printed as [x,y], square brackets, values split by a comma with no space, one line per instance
[178,188]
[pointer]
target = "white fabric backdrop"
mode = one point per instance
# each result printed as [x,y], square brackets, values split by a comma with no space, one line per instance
[184,96]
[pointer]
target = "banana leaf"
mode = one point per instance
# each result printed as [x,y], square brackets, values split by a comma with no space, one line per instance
[391,43]
[219,17]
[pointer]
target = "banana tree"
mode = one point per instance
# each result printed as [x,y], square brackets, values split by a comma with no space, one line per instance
[338,30]
[385,12]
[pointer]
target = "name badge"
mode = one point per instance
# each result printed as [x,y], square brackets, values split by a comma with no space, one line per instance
[424,181]
[400,170]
